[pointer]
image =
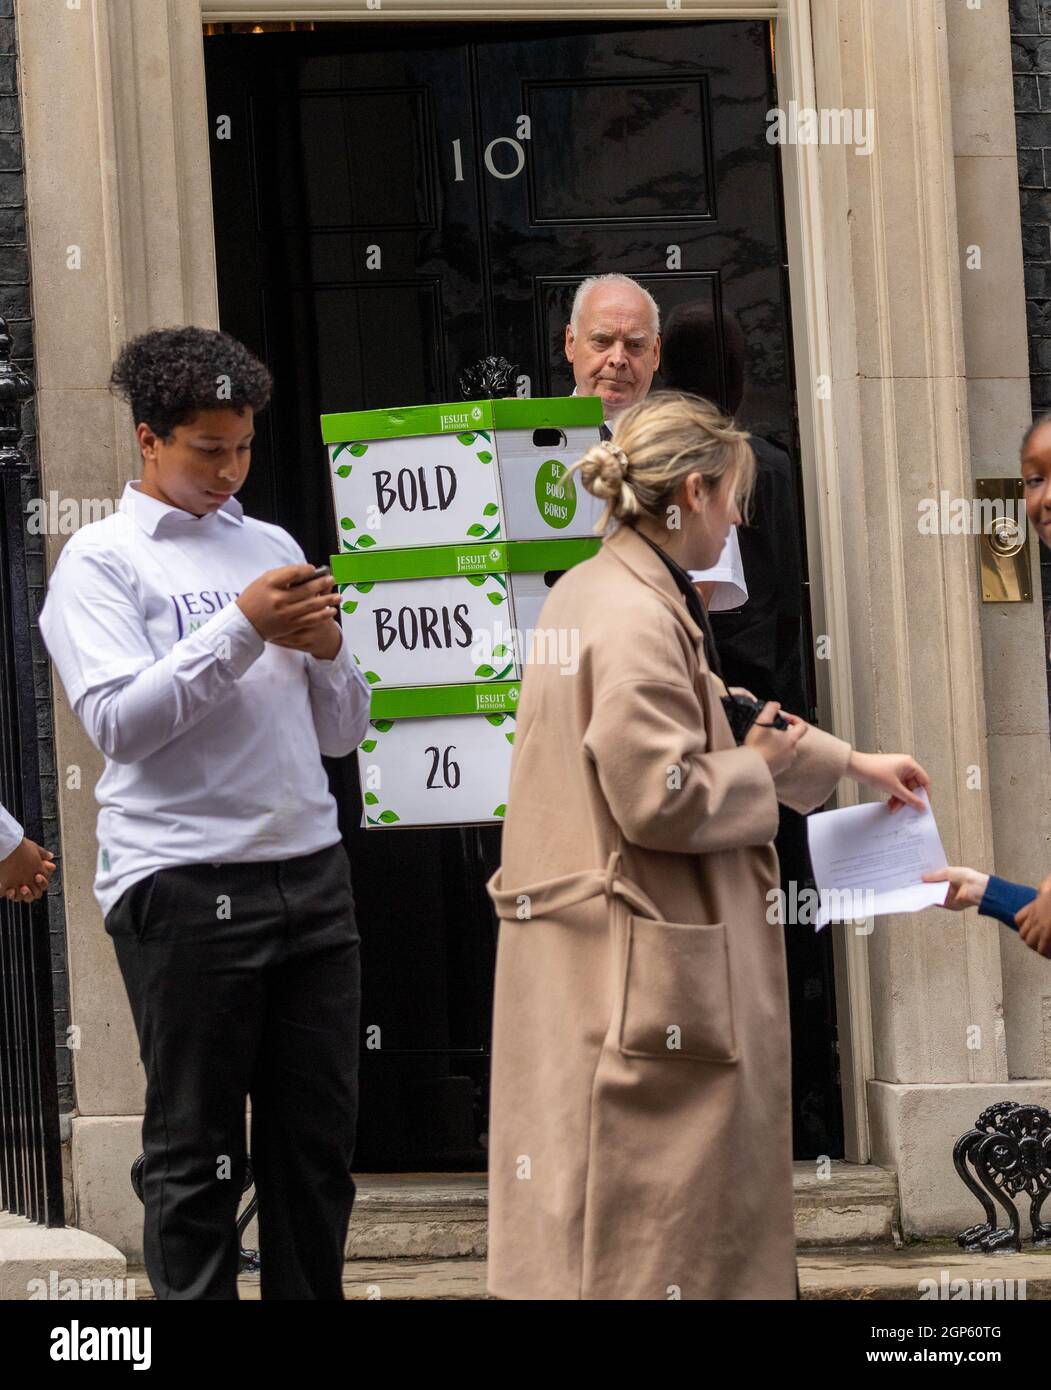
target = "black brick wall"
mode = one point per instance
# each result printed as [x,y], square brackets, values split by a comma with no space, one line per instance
[16,307]
[1031,64]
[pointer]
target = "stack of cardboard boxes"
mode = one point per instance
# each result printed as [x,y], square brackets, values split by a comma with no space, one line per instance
[453,523]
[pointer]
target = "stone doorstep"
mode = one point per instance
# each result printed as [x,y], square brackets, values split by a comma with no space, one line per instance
[423,1215]
[52,1254]
[439,1216]
[856,1204]
[862,1275]
[827,1275]
[423,1236]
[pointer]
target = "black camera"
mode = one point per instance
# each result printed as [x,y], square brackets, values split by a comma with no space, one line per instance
[742,713]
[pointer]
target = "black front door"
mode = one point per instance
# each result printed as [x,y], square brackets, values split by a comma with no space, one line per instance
[391,204]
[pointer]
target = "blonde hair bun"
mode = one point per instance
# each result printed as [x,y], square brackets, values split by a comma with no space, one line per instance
[603,470]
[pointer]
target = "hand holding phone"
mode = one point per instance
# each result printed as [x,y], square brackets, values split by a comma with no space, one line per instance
[289,599]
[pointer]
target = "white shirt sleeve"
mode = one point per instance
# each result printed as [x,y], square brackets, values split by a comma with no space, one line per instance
[130,703]
[731,590]
[11,833]
[339,697]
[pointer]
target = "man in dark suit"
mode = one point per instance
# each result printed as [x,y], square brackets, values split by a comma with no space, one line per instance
[760,646]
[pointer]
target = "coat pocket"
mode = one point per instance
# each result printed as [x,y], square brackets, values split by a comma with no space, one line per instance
[677,1000]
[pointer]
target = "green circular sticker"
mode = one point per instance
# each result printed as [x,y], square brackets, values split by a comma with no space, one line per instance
[555,503]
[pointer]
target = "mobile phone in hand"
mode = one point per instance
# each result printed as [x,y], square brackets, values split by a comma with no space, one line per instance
[322,572]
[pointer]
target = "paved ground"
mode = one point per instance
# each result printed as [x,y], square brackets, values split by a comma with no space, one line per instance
[850,1274]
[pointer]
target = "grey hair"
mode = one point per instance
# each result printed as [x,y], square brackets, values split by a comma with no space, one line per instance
[594,281]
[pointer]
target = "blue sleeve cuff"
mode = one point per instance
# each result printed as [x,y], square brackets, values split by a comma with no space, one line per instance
[1003,899]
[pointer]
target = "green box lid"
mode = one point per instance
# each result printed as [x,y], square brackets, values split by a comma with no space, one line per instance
[448,561]
[431,701]
[461,417]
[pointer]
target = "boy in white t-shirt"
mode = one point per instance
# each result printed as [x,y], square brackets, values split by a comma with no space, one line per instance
[205,662]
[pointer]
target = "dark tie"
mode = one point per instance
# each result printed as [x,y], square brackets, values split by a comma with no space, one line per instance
[604,431]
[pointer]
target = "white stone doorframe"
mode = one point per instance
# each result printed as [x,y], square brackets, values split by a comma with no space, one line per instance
[901,359]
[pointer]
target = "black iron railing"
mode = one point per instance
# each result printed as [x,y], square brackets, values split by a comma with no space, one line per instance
[30,1149]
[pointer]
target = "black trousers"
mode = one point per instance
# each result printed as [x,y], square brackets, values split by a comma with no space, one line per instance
[244,980]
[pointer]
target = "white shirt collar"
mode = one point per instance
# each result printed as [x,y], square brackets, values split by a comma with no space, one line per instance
[149,512]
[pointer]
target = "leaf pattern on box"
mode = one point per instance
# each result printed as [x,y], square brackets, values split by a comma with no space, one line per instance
[387,817]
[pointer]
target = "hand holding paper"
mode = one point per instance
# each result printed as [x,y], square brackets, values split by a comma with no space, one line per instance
[869,862]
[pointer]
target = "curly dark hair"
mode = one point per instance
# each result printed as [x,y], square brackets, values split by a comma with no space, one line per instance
[170,374]
[1037,424]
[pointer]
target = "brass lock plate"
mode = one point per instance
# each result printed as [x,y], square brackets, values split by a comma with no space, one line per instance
[1003,542]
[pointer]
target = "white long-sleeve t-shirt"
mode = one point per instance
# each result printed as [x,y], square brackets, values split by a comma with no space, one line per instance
[212,737]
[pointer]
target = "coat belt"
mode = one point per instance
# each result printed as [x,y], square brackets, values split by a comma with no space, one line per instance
[551,895]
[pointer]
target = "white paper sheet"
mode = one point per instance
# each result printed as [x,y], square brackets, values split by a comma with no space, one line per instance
[868,862]
[730,590]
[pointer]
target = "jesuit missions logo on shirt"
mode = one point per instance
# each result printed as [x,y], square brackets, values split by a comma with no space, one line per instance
[193,609]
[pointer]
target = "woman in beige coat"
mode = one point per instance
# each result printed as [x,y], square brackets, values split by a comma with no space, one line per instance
[640,1137]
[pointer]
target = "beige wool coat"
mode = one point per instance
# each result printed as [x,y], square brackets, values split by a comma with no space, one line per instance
[640,1133]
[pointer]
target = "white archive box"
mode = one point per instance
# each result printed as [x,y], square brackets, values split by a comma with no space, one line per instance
[457,474]
[442,717]
[444,758]
[445,631]
[449,615]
